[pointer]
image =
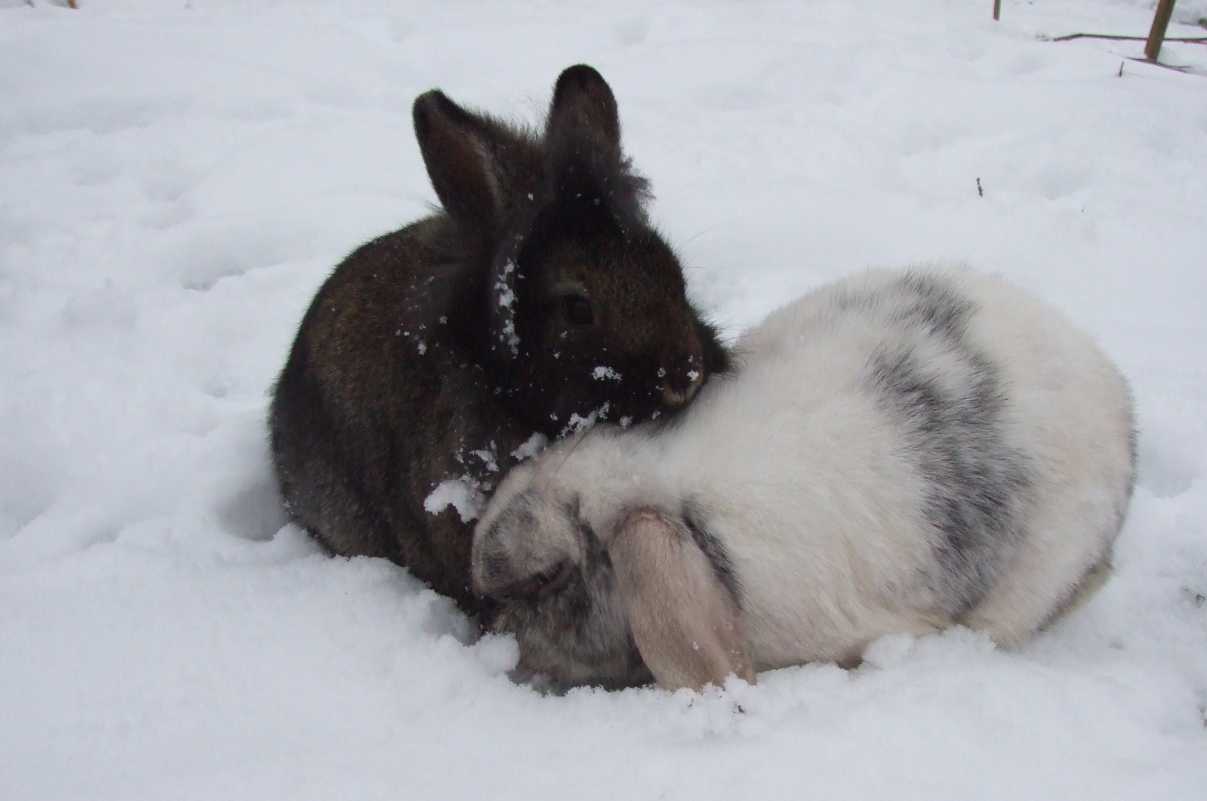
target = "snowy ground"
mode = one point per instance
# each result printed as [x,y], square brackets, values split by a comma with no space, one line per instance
[176,178]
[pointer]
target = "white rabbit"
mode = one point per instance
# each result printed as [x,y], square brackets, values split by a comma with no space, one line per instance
[895,452]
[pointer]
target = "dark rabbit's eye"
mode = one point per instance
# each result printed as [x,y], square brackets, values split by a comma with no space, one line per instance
[577,310]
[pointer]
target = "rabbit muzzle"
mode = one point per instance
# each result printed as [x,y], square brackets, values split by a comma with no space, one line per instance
[681,379]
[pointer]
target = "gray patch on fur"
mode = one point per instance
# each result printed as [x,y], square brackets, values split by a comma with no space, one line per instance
[978,484]
[517,517]
[713,549]
[1133,458]
[579,634]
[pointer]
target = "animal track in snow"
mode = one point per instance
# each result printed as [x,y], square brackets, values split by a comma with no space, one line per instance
[1062,179]
[632,31]
[100,116]
[219,250]
[165,183]
[216,273]
[1168,468]
[254,512]
[95,171]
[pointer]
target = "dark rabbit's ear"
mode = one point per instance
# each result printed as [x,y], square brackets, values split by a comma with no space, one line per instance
[461,151]
[582,141]
[583,113]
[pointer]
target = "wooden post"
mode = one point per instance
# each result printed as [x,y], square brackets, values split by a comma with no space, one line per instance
[1156,36]
[997,10]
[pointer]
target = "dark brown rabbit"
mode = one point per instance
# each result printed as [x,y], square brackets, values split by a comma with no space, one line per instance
[539,299]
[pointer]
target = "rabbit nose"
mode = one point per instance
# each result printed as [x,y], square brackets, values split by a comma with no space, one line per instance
[536,585]
[679,387]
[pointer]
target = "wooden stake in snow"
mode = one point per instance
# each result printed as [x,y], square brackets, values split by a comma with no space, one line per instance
[997,9]
[1157,35]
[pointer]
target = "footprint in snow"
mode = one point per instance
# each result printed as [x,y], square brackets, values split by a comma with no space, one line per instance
[1062,179]
[1167,467]
[101,116]
[212,252]
[254,512]
[632,31]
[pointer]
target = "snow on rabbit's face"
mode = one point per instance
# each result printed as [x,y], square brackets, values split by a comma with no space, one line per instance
[604,327]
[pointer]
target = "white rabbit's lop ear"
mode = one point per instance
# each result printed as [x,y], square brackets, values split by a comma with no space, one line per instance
[685,621]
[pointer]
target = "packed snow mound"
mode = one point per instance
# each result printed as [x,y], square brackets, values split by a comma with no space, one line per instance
[179,178]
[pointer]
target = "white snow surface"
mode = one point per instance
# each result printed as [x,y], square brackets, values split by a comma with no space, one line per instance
[176,180]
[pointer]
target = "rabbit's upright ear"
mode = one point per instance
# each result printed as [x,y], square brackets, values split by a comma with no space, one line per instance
[582,142]
[461,151]
[583,112]
[685,621]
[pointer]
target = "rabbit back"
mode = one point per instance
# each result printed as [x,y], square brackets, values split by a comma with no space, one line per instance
[378,403]
[903,452]
[895,452]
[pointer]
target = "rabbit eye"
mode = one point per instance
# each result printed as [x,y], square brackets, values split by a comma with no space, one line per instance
[578,310]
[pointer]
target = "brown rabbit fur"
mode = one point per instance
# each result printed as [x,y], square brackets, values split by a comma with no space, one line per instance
[540,297]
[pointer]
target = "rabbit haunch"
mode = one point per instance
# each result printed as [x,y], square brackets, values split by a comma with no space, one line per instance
[896,452]
[468,331]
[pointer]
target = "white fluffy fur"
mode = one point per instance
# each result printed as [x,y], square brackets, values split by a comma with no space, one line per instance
[806,480]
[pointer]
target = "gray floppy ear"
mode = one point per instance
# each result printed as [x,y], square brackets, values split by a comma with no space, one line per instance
[686,623]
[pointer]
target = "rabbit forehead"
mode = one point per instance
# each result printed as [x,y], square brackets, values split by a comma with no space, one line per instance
[536,530]
[531,514]
[613,259]
[635,285]
[510,493]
